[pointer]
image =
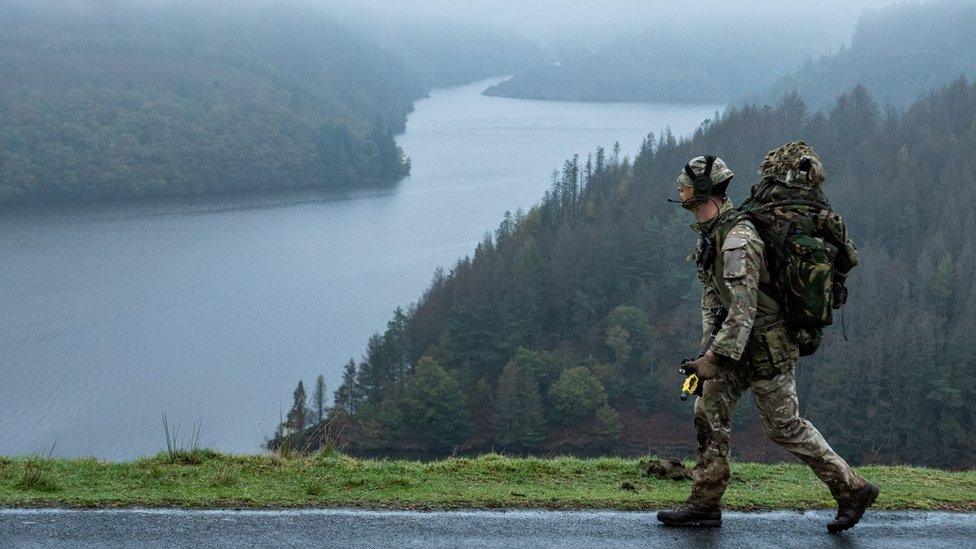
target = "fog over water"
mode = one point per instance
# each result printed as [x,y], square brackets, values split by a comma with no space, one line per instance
[212,308]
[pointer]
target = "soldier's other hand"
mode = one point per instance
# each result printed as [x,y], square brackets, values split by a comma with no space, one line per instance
[705,366]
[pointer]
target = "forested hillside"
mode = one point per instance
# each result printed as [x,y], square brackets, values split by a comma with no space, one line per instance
[113,100]
[107,99]
[899,53]
[564,329]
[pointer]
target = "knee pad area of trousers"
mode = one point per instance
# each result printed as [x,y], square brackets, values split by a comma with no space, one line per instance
[783,428]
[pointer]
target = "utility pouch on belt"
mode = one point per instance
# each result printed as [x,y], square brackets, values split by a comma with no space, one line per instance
[772,349]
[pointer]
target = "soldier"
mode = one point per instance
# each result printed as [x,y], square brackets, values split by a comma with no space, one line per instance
[752,350]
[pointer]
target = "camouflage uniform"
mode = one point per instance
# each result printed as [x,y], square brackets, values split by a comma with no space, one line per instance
[762,356]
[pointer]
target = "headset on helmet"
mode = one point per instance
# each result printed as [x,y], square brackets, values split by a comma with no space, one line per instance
[702,184]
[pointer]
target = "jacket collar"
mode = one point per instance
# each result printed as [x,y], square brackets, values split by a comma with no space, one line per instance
[705,227]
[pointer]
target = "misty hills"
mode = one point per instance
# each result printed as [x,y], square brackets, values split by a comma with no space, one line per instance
[669,65]
[448,53]
[115,99]
[899,53]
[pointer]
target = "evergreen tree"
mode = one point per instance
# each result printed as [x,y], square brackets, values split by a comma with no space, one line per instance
[434,407]
[297,417]
[318,399]
[386,363]
[345,398]
[518,418]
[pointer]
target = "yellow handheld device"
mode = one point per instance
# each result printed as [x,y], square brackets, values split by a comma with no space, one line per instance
[689,387]
[692,385]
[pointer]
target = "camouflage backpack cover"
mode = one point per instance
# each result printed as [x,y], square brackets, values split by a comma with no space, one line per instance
[808,253]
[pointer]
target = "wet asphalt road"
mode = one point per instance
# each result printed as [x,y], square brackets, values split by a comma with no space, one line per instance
[562,529]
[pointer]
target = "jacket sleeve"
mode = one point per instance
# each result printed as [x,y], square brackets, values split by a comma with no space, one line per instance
[709,301]
[742,256]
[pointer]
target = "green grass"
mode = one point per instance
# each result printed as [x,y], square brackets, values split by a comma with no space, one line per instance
[204,478]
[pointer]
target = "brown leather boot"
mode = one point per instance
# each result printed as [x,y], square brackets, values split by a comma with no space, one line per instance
[850,512]
[688,514]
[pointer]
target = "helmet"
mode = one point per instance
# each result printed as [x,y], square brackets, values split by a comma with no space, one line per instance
[793,163]
[708,175]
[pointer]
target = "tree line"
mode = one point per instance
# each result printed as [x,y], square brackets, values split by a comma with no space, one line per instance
[563,330]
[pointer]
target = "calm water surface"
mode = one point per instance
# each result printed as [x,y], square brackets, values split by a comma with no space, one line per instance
[212,308]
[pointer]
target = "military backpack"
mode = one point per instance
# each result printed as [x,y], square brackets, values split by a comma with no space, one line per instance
[808,253]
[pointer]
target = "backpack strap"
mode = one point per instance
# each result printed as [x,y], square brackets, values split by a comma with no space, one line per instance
[772,268]
[791,202]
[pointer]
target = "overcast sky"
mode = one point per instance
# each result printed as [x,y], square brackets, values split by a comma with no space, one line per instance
[548,19]
[588,23]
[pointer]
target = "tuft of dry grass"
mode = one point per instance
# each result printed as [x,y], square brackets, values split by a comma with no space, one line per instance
[35,476]
[225,477]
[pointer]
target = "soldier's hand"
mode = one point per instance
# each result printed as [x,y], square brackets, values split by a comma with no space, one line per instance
[705,366]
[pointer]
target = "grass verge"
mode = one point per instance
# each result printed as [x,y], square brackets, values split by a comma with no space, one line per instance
[207,479]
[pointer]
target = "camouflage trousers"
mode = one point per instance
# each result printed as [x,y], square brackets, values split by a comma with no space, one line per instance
[770,371]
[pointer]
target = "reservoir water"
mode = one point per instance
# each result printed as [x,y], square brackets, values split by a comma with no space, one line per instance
[212,308]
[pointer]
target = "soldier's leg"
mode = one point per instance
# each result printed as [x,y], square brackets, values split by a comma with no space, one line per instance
[779,410]
[713,421]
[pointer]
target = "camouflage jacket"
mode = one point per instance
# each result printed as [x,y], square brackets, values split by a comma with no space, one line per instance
[731,267]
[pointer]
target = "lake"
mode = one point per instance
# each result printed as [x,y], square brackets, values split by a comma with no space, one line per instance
[212,308]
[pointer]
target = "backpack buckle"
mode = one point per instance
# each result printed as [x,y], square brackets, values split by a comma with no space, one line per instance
[821,219]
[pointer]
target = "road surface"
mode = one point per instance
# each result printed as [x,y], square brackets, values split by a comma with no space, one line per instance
[563,529]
